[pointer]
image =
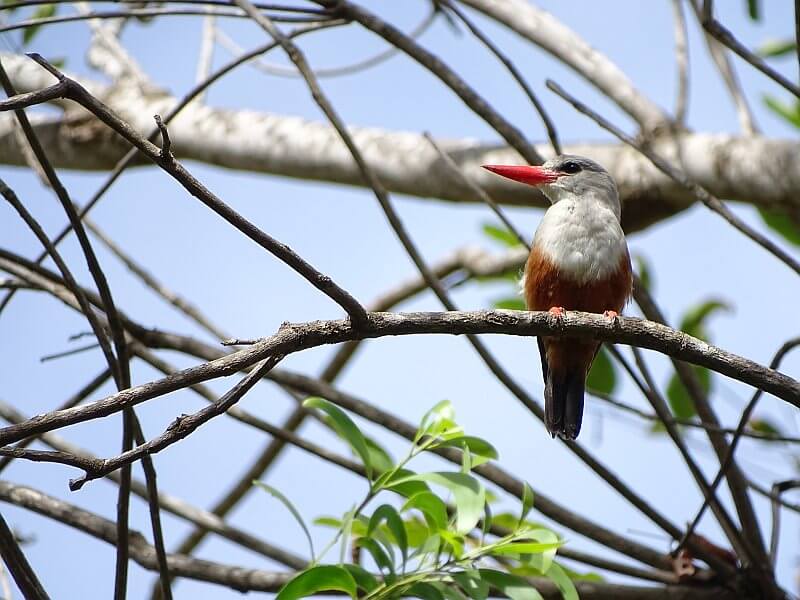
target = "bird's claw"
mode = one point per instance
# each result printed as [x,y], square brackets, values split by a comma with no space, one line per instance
[557,311]
[612,316]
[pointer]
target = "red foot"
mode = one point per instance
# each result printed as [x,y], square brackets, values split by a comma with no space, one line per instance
[611,314]
[557,311]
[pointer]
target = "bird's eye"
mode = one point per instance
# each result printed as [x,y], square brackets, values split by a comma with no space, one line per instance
[570,167]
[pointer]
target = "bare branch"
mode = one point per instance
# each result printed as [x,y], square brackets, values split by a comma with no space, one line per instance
[18,565]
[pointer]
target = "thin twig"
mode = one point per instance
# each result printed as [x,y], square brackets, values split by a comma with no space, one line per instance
[19,567]
[180,427]
[725,37]
[477,190]
[549,126]
[681,62]
[435,65]
[322,282]
[81,395]
[72,352]
[330,72]
[146,12]
[187,99]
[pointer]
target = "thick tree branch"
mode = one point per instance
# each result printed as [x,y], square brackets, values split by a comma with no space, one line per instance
[758,170]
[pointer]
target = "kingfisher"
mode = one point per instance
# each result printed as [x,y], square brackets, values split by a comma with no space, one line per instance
[579,260]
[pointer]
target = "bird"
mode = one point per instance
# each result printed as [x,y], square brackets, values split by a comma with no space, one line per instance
[579,261]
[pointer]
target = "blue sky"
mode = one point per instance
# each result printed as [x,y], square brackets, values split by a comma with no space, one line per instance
[342,231]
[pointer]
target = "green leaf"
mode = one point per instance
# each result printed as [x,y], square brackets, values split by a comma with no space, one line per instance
[379,458]
[323,578]
[379,555]
[540,561]
[285,501]
[527,503]
[753,9]
[501,234]
[425,591]
[402,483]
[644,271]
[431,507]
[694,320]
[512,303]
[347,531]
[764,426]
[602,376]
[526,547]
[785,111]
[679,400]
[515,588]
[468,493]
[346,429]
[472,584]
[476,446]
[781,224]
[557,575]
[363,578]
[456,542]
[417,531]
[44,11]
[440,417]
[774,48]
[387,512]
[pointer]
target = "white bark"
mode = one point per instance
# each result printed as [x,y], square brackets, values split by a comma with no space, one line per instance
[759,170]
[547,32]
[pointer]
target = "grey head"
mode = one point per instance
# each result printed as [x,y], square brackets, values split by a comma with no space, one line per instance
[567,177]
[579,178]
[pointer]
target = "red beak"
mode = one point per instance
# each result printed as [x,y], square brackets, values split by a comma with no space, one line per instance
[524,174]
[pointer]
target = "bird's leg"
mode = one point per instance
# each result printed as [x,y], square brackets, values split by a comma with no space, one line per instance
[557,311]
[612,316]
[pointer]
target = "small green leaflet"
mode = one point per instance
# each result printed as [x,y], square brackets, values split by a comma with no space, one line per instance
[468,493]
[346,429]
[516,588]
[285,501]
[781,224]
[602,376]
[394,523]
[773,48]
[45,11]
[323,578]
[557,575]
[527,503]
[501,234]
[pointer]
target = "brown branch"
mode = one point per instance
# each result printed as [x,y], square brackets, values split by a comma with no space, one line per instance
[437,67]
[244,580]
[737,483]
[19,567]
[81,395]
[549,126]
[745,418]
[725,37]
[297,337]
[133,154]
[170,503]
[147,12]
[180,427]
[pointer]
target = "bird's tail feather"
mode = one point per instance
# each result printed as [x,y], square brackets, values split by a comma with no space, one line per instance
[563,402]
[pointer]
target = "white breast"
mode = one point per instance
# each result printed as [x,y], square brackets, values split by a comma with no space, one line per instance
[583,238]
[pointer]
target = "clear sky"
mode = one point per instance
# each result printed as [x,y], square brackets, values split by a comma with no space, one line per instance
[341,230]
